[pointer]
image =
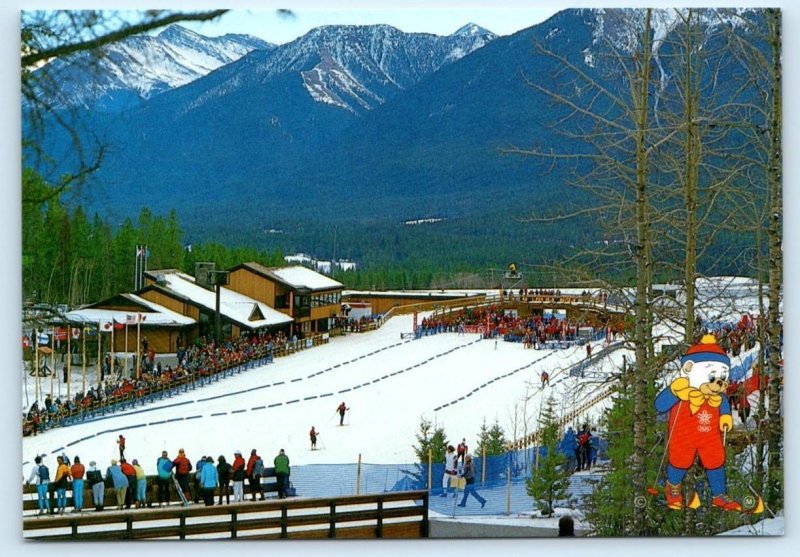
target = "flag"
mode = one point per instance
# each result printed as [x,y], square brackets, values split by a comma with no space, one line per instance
[44,338]
[105,326]
[139,251]
[130,319]
[26,341]
[76,333]
[61,334]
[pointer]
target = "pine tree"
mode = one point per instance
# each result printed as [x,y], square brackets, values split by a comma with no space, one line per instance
[430,438]
[548,483]
[492,440]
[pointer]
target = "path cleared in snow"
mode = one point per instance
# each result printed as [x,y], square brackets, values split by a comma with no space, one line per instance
[454,380]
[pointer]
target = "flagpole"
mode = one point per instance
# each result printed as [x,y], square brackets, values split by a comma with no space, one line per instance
[69,358]
[111,350]
[52,361]
[126,342]
[138,344]
[99,350]
[36,352]
[136,271]
[83,360]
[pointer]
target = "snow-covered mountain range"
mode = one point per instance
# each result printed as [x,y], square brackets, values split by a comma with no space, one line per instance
[352,67]
[140,67]
[361,123]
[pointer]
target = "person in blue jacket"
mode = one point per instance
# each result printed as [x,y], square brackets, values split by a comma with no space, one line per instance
[209,480]
[164,468]
[568,446]
[119,481]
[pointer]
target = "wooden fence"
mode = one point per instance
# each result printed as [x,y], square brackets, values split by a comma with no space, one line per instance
[401,514]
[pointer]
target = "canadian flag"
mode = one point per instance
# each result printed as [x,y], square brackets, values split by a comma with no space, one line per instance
[26,341]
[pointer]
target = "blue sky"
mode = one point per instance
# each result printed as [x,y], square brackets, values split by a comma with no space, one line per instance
[279,27]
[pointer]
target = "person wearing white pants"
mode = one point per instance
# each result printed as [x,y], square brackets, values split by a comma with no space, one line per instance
[449,469]
[238,477]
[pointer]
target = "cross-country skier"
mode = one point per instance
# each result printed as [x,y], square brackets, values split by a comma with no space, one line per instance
[342,408]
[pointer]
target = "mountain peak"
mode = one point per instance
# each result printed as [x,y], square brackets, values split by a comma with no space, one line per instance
[472,30]
[175,30]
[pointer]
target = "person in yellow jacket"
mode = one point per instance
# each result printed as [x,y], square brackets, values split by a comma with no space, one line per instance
[141,485]
[61,483]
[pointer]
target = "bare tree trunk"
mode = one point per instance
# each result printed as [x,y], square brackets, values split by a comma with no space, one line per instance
[690,187]
[641,402]
[774,232]
[761,410]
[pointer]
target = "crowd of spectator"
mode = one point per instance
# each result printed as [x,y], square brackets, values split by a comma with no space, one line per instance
[203,358]
[206,478]
[543,294]
[532,330]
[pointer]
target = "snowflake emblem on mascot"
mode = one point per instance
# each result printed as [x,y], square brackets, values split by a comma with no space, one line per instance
[699,416]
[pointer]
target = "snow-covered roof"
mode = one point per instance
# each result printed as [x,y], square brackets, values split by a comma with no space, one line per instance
[296,276]
[156,314]
[233,305]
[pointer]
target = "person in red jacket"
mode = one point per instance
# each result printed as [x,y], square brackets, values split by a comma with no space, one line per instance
[238,477]
[341,409]
[254,471]
[77,471]
[121,443]
[130,473]
[182,467]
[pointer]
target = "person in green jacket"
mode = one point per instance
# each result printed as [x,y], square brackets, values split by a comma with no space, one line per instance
[281,463]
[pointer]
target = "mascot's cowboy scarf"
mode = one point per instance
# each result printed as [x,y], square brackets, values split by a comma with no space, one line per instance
[699,413]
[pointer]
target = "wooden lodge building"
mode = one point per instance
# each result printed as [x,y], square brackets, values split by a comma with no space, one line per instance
[161,325]
[180,293]
[311,299]
[174,305]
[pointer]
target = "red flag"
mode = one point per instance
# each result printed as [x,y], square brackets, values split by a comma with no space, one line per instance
[26,341]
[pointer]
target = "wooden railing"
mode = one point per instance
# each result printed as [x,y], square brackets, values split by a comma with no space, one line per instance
[402,514]
[568,418]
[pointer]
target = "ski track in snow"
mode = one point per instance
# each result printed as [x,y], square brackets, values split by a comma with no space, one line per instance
[389,383]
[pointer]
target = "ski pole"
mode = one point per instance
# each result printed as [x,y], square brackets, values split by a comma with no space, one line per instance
[653,490]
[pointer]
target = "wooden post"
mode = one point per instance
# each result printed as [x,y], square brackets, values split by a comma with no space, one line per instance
[99,348]
[36,362]
[112,349]
[483,466]
[139,342]
[358,476]
[83,360]
[126,342]
[430,466]
[52,360]
[508,488]
[69,358]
